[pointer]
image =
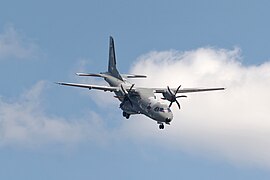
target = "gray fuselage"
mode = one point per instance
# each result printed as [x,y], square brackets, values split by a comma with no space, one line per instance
[143,101]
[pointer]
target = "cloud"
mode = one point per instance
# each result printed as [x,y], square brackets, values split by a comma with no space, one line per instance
[14,45]
[233,125]
[24,123]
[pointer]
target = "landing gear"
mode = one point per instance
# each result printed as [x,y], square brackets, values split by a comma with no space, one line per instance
[161,126]
[126,115]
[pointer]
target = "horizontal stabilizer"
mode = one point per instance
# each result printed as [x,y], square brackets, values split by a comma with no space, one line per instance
[90,74]
[133,76]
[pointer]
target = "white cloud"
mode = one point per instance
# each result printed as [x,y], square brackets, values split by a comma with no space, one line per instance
[233,125]
[23,122]
[14,45]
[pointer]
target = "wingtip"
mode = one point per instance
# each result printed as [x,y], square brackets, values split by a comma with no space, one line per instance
[59,83]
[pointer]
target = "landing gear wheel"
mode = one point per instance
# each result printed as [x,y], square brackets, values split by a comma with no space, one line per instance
[161,126]
[126,115]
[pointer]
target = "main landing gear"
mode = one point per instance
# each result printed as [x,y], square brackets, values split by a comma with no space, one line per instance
[161,126]
[126,115]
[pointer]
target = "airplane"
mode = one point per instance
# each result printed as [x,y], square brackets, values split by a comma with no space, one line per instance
[138,100]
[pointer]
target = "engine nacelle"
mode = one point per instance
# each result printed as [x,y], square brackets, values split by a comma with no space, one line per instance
[171,96]
[167,96]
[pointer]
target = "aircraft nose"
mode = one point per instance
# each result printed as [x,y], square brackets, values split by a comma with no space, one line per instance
[168,120]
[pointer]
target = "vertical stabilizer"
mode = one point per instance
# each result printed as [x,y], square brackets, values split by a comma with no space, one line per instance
[112,61]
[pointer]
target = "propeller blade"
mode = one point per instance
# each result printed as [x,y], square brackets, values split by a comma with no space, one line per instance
[122,88]
[177,89]
[169,90]
[181,96]
[126,96]
[173,96]
[131,87]
[178,104]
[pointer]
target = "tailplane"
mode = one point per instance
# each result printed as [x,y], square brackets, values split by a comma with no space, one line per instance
[112,61]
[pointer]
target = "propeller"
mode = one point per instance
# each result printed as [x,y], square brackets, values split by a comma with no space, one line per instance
[173,97]
[126,95]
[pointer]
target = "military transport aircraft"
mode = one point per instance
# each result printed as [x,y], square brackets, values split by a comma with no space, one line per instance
[138,100]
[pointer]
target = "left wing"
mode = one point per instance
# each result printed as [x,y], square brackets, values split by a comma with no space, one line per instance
[88,86]
[187,90]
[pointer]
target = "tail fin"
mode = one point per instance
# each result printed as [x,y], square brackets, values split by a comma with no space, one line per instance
[112,61]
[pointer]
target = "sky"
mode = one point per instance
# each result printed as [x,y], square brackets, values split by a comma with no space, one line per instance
[53,132]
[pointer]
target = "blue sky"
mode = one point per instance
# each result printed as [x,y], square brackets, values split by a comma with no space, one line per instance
[52,132]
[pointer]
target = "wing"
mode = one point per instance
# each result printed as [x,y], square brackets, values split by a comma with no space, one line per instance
[88,86]
[187,90]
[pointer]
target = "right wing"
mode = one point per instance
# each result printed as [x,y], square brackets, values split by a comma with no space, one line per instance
[89,86]
[187,90]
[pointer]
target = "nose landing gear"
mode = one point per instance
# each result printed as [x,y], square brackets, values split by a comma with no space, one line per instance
[126,115]
[161,126]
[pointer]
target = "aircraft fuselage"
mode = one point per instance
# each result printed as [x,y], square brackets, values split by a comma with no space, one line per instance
[143,102]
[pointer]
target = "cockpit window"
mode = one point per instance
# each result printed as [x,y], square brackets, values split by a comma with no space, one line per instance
[160,109]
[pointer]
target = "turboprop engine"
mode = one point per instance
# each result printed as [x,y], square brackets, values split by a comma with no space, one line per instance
[171,96]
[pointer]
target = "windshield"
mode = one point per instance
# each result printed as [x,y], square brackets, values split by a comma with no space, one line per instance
[161,109]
